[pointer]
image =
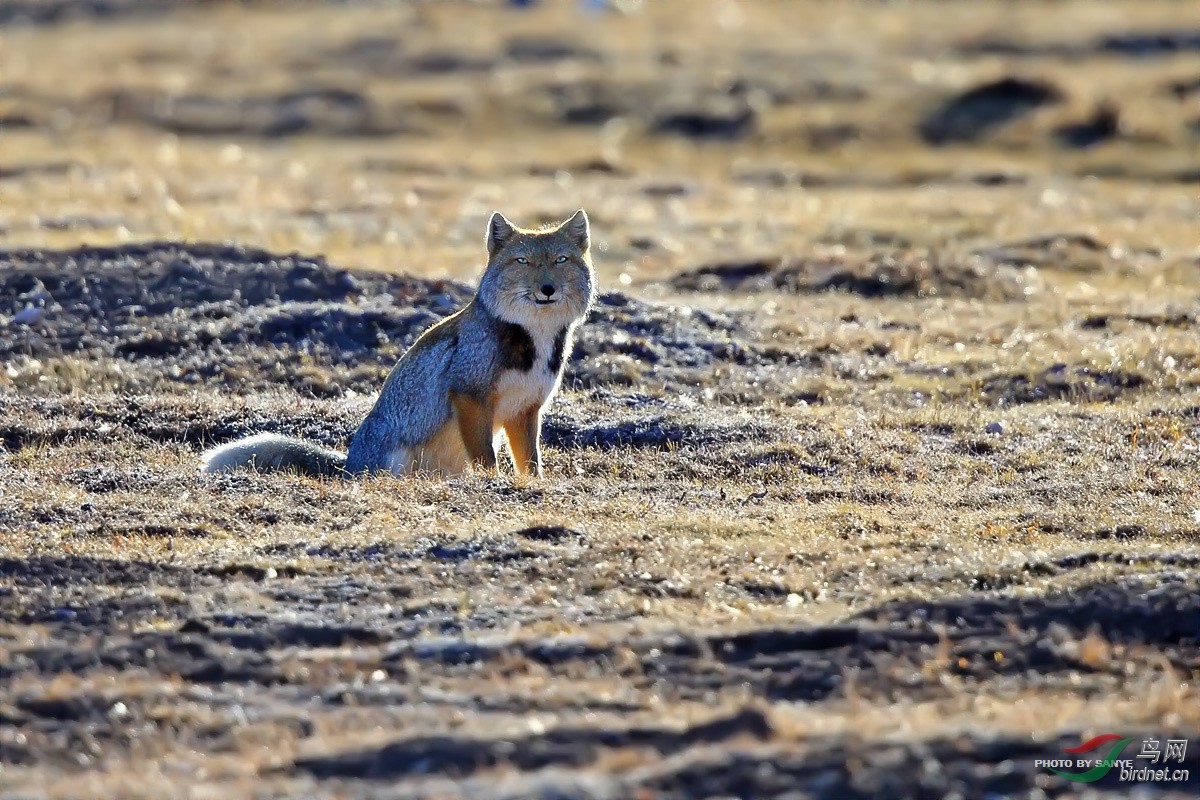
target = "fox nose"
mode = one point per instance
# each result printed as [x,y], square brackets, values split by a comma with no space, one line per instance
[548,289]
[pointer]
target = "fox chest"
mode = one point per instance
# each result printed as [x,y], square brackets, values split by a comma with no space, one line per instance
[531,367]
[517,392]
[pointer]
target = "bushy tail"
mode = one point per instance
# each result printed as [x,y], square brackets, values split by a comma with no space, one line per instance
[270,452]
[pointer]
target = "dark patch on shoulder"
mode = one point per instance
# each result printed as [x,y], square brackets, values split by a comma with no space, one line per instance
[516,347]
[558,352]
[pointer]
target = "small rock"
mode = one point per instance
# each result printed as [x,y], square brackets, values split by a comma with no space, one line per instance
[729,123]
[549,533]
[996,428]
[1102,126]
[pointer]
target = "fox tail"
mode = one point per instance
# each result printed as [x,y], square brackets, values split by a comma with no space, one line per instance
[270,452]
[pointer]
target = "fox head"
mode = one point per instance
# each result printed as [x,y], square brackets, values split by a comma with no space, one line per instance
[538,276]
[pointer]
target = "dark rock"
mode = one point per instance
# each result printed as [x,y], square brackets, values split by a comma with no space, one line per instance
[591,113]
[1104,125]
[980,111]
[732,123]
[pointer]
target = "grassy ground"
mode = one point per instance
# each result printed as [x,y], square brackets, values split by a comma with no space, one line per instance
[875,471]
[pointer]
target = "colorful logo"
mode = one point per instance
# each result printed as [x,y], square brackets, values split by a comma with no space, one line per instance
[1100,770]
[1096,757]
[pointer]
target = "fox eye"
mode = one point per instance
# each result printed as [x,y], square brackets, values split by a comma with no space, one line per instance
[560,260]
[522,260]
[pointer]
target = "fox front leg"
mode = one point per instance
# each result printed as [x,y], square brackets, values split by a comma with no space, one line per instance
[475,420]
[524,435]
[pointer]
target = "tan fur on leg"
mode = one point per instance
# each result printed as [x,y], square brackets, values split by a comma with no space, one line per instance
[475,422]
[524,435]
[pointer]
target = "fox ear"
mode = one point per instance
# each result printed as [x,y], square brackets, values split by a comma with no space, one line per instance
[578,229]
[499,231]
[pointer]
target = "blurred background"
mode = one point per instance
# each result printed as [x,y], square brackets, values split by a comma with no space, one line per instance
[383,133]
[921,364]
